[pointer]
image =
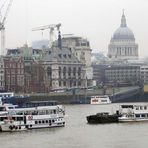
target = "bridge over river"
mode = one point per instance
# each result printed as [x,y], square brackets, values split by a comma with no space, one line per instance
[118,94]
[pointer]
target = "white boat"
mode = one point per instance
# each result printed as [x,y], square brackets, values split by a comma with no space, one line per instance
[133,113]
[6,94]
[36,117]
[100,99]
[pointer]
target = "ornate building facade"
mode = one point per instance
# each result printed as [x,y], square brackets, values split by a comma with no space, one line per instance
[80,47]
[122,45]
[63,69]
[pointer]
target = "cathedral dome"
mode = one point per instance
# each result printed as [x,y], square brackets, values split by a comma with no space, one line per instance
[123,32]
[122,44]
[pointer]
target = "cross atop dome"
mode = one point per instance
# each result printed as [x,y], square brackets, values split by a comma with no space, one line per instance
[123,20]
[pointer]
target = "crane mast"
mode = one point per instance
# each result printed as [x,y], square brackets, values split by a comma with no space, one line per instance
[2,27]
[51,27]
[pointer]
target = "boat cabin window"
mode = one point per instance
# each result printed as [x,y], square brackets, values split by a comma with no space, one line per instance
[20,113]
[35,113]
[3,118]
[137,115]
[41,103]
[143,115]
[27,112]
[103,100]
[42,112]
[11,107]
[141,108]
[2,109]
[54,111]
[95,100]
[145,107]
[19,118]
[127,106]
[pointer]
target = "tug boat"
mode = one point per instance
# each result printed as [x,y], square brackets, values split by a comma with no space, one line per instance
[131,113]
[36,117]
[103,117]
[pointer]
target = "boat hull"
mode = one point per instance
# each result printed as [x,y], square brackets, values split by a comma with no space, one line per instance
[95,119]
[12,127]
[132,119]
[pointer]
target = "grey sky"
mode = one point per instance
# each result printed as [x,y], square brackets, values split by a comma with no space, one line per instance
[94,19]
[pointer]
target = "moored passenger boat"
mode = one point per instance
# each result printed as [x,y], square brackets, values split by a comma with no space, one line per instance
[100,100]
[35,117]
[133,113]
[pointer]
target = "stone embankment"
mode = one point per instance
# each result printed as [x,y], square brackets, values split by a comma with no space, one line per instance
[83,96]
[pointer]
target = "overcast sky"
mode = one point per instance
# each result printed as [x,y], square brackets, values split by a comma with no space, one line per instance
[95,20]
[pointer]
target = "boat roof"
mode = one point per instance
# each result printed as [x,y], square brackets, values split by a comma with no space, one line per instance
[36,108]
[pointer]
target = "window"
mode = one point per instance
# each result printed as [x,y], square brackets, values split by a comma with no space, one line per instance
[59,71]
[74,71]
[60,55]
[64,71]
[65,56]
[69,56]
[69,71]
[79,83]
[143,115]
[49,71]
[137,115]
[13,80]
[79,71]
[64,83]
[59,83]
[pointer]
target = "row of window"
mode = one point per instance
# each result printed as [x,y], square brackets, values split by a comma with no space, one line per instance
[141,108]
[41,112]
[47,121]
[65,56]
[141,115]
[71,83]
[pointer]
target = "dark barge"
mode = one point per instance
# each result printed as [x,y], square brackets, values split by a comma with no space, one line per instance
[103,117]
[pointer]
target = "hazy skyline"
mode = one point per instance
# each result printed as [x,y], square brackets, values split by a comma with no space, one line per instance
[95,20]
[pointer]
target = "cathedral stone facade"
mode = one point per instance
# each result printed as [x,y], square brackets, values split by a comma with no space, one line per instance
[122,45]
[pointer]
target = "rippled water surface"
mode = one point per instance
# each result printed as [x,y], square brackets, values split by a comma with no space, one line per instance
[78,134]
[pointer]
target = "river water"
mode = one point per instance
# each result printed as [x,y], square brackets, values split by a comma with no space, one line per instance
[79,134]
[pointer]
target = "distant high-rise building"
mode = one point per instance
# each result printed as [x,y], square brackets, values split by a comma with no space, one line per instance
[122,45]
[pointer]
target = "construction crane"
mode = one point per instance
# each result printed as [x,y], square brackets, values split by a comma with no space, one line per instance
[2,8]
[2,26]
[51,28]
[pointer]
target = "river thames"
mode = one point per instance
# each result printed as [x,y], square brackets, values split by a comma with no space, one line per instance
[79,134]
